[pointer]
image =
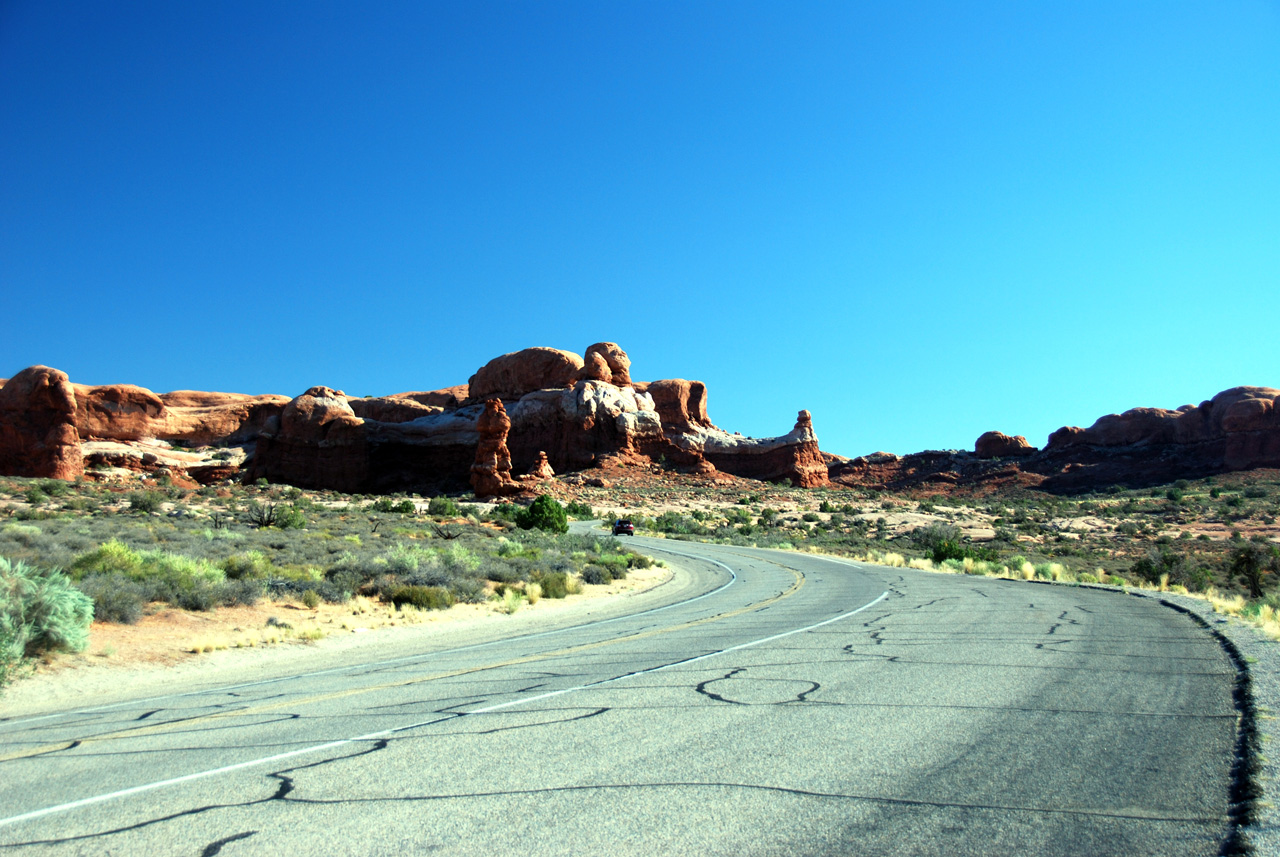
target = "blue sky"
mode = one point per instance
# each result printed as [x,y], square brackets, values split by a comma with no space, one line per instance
[918,220]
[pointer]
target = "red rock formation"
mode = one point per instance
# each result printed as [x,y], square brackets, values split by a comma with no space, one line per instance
[38,426]
[317,442]
[606,361]
[491,472]
[794,457]
[513,375]
[391,409]
[681,404]
[541,469]
[207,418]
[448,398]
[994,444]
[117,411]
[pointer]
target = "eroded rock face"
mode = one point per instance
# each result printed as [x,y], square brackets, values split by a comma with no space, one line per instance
[316,442]
[38,436]
[520,372]
[1237,429]
[562,413]
[681,404]
[994,444]
[491,472]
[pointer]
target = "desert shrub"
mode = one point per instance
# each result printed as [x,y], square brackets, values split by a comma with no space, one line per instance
[443,507]
[116,598]
[245,592]
[1162,561]
[291,518]
[931,536]
[637,560]
[554,584]
[145,501]
[596,575]
[504,512]
[422,597]
[674,522]
[311,599]
[41,610]
[580,511]
[386,504]
[1086,577]
[544,513]
[113,556]
[248,565]
[468,590]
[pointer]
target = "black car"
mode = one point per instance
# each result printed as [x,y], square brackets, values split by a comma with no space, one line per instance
[622,527]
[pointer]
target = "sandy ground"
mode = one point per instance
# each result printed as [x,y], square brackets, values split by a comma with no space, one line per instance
[233,644]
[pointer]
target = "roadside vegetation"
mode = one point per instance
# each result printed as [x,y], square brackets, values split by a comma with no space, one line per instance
[70,553]
[1215,537]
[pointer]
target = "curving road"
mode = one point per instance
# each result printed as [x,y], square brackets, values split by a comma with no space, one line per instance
[763,702]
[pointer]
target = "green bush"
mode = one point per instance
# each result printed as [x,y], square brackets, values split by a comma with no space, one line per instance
[422,597]
[544,513]
[251,565]
[580,511]
[443,507]
[386,504]
[40,611]
[145,501]
[554,584]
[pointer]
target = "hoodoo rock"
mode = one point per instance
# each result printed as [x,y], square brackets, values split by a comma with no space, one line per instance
[491,472]
[38,434]
[994,444]
[541,469]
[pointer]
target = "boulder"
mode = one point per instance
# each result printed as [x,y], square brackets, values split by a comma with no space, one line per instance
[491,472]
[994,444]
[518,373]
[38,436]
[606,361]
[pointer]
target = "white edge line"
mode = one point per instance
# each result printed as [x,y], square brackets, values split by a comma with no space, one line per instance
[733,578]
[89,801]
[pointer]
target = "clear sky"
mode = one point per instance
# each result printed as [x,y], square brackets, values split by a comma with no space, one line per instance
[918,220]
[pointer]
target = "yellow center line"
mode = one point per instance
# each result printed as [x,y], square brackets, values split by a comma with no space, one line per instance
[252,710]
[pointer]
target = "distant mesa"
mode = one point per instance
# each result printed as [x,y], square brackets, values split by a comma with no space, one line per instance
[1238,429]
[537,412]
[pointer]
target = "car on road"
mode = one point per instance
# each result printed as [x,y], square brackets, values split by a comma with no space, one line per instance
[623,527]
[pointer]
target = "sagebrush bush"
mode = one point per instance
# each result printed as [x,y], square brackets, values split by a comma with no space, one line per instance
[422,597]
[554,584]
[41,611]
[116,598]
[596,575]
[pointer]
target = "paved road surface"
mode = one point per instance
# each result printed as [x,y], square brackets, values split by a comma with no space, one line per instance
[767,703]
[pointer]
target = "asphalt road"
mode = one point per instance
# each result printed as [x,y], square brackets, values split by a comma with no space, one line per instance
[764,703]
